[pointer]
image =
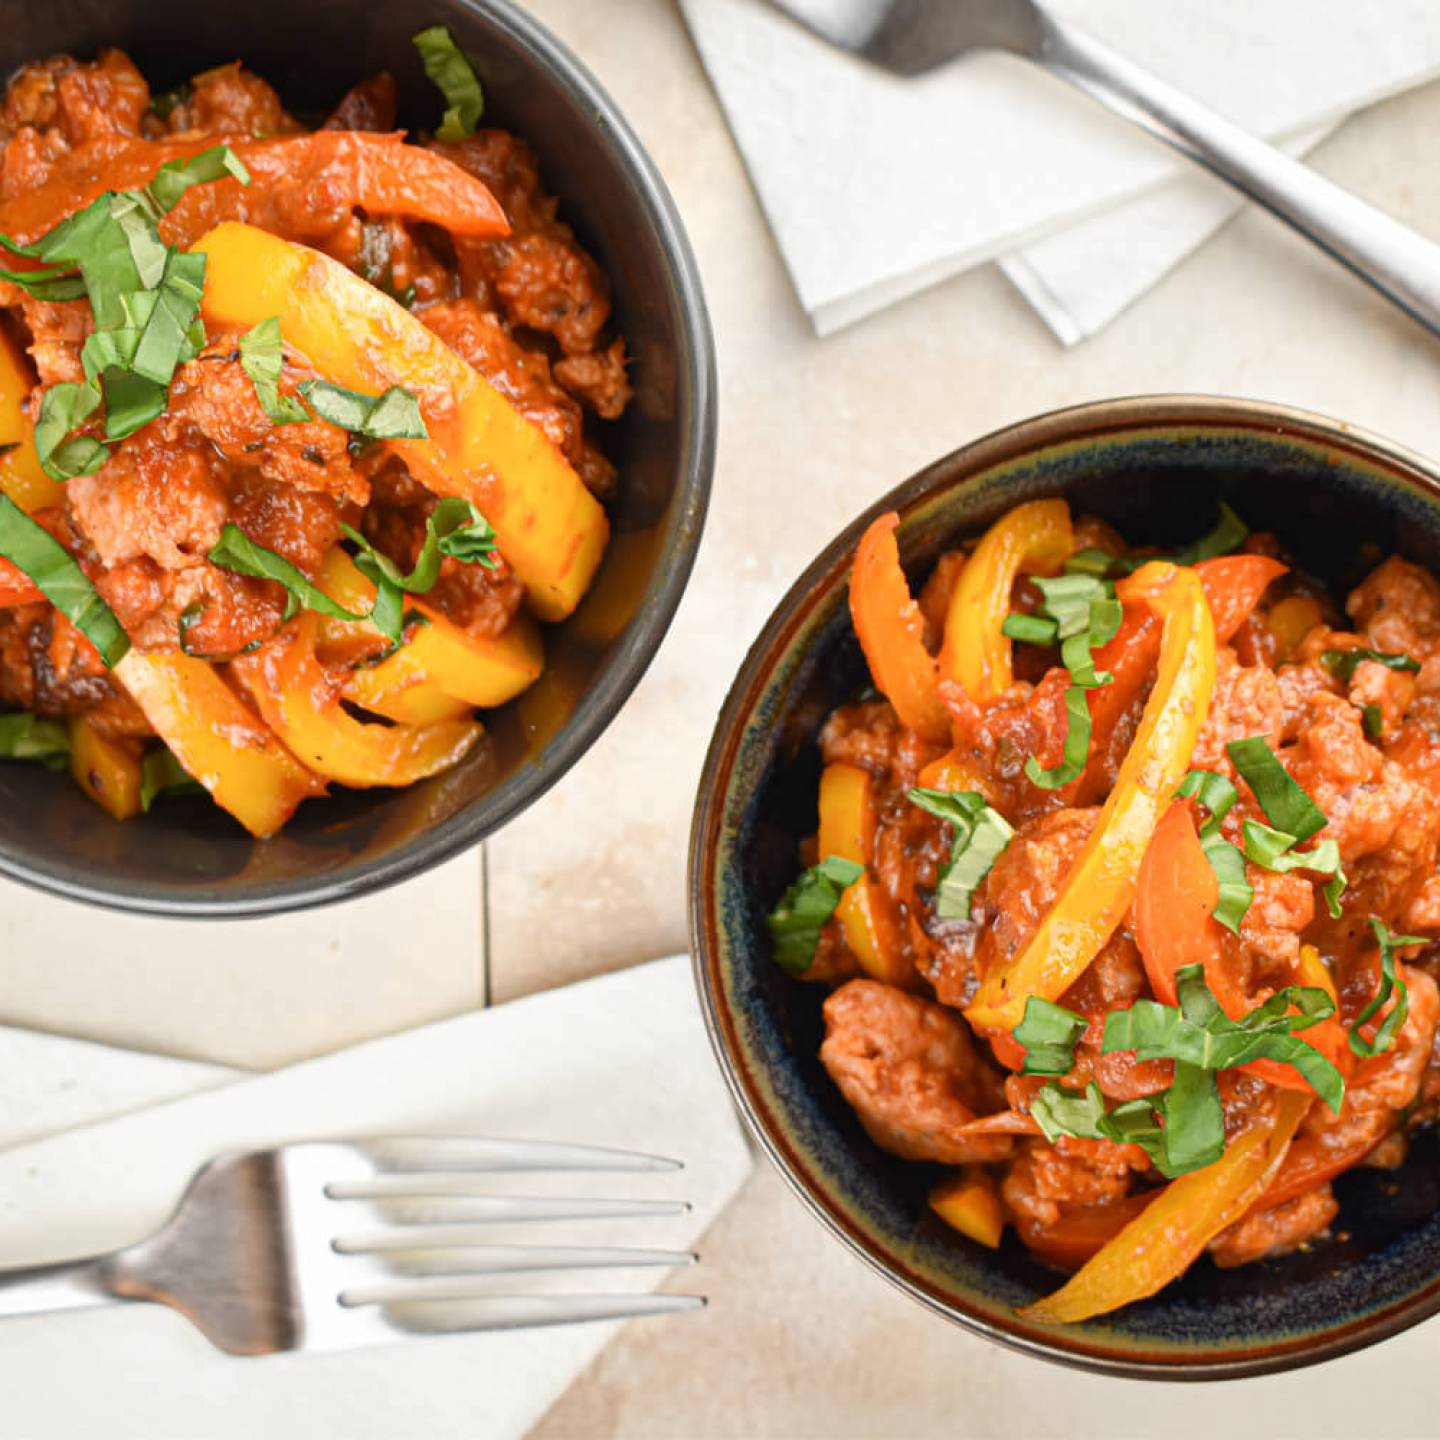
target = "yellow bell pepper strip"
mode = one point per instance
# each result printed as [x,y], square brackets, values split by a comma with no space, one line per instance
[891,631]
[549,527]
[1167,1236]
[296,699]
[441,671]
[1034,538]
[21,477]
[865,911]
[107,770]
[1100,885]
[956,771]
[217,740]
[968,1202]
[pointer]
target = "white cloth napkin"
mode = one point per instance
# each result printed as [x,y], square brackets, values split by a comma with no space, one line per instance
[877,187]
[622,1061]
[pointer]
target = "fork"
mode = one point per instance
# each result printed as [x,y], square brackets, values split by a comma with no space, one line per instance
[280,1249]
[909,37]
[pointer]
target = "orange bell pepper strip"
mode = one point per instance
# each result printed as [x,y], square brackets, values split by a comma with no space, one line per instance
[891,631]
[298,701]
[1312,1162]
[217,740]
[1080,1232]
[1233,587]
[378,174]
[442,671]
[21,477]
[969,1202]
[107,770]
[865,911]
[1035,538]
[1100,885]
[1175,899]
[1161,1242]
[549,527]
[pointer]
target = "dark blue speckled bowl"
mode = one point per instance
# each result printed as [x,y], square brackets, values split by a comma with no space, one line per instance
[1154,467]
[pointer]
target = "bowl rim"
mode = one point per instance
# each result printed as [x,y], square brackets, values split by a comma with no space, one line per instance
[629,658]
[1090,421]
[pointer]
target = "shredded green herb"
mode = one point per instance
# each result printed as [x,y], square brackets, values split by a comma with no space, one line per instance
[161,774]
[61,580]
[795,923]
[1390,984]
[1372,719]
[452,73]
[24,736]
[981,833]
[1274,850]
[1343,663]
[395,415]
[1287,807]
[1049,1033]
[262,358]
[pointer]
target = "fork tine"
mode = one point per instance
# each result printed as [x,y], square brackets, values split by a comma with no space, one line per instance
[474,1237]
[512,1312]
[482,1207]
[462,1281]
[468,1152]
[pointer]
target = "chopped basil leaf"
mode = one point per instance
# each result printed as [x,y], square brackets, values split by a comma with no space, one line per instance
[395,415]
[980,835]
[50,282]
[1212,791]
[262,358]
[28,737]
[1273,850]
[1229,534]
[1198,1032]
[1287,807]
[162,774]
[452,73]
[1390,984]
[63,583]
[1372,720]
[1091,561]
[1343,663]
[62,408]
[1049,1033]
[173,179]
[1236,892]
[1029,629]
[237,552]
[804,908]
[1077,745]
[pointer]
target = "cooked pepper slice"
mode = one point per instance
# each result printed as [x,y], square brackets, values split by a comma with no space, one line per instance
[1175,899]
[378,174]
[1034,538]
[1100,885]
[1174,1228]
[297,700]
[548,525]
[865,911]
[107,770]
[441,671]
[888,622]
[21,477]
[217,740]
[969,1202]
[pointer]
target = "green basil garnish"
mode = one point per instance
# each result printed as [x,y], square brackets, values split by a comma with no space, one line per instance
[454,528]
[25,736]
[980,835]
[395,415]
[1390,983]
[63,583]
[1273,850]
[1342,664]
[1287,807]
[1049,1033]
[795,923]
[452,73]
[263,360]
[173,179]
[160,775]
[1372,721]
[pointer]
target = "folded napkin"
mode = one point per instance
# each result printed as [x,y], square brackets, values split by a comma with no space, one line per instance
[877,186]
[621,1061]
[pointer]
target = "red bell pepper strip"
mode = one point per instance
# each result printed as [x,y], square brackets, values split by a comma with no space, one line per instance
[292,178]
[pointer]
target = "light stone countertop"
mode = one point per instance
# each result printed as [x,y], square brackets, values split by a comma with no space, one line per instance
[800,1339]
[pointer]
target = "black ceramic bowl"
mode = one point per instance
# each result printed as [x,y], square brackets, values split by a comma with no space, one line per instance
[1154,467]
[188,858]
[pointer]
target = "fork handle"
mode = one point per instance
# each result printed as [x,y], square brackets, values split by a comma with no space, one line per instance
[1401,264]
[40,1289]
